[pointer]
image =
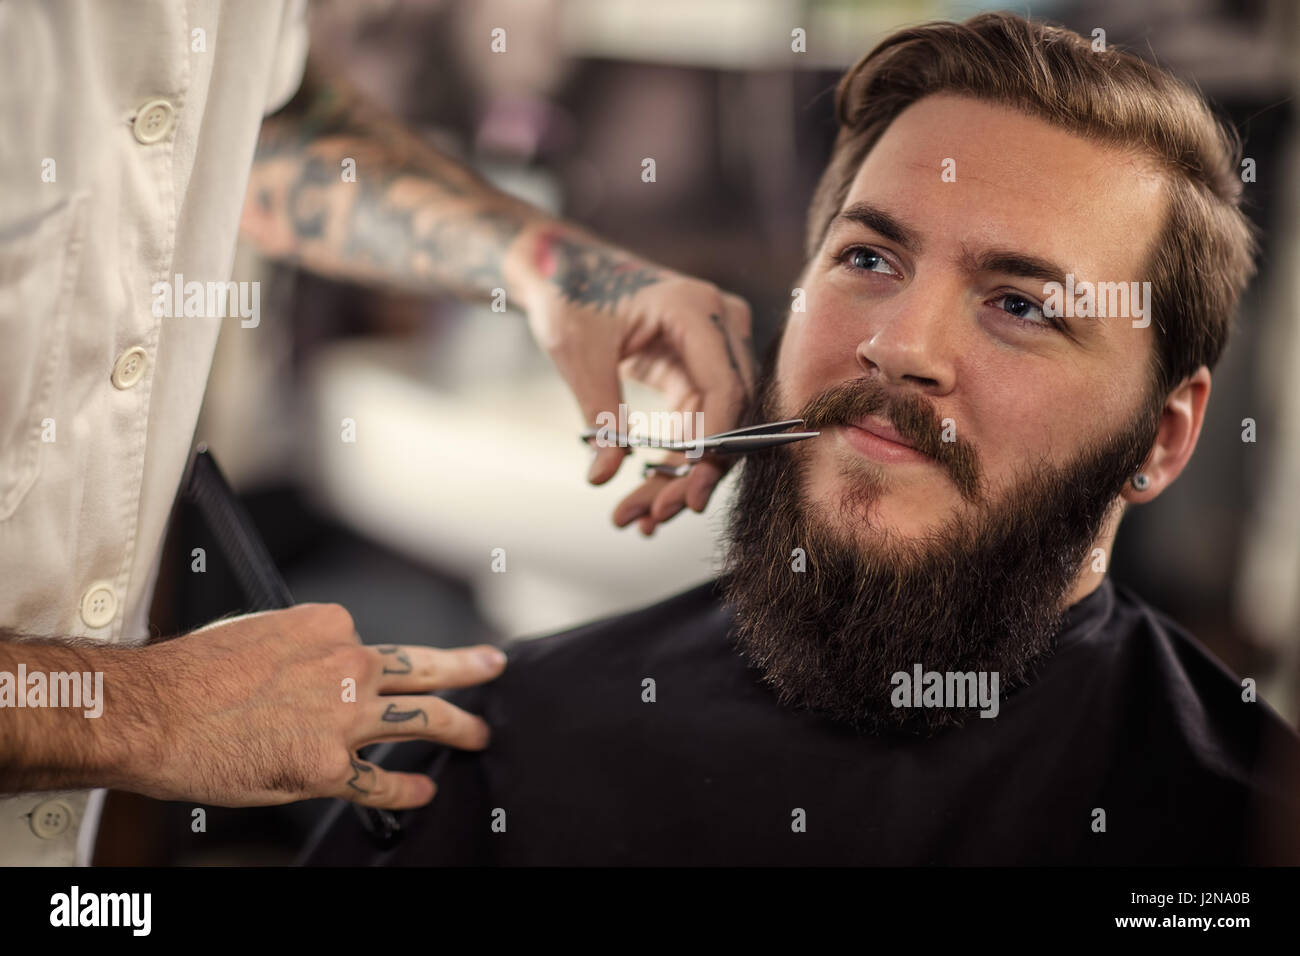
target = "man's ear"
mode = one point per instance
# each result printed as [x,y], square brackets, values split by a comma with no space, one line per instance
[1180,427]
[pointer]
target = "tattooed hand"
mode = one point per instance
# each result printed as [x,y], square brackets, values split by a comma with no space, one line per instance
[600,312]
[272,708]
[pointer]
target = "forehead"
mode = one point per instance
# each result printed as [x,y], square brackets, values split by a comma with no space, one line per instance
[1016,182]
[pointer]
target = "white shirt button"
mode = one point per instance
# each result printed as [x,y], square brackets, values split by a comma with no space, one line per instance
[99,605]
[153,121]
[51,818]
[129,367]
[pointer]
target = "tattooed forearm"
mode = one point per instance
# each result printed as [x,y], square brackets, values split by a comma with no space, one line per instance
[394,716]
[396,660]
[588,274]
[394,238]
[304,203]
[342,189]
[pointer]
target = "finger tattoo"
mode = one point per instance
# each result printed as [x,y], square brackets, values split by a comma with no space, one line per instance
[731,356]
[359,768]
[401,663]
[394,716]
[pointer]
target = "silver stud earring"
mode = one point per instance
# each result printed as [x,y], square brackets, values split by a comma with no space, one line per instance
[1141,482]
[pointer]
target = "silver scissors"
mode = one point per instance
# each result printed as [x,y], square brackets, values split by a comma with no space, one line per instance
[740,441]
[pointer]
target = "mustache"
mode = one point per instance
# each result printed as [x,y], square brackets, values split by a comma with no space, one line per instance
[911,416]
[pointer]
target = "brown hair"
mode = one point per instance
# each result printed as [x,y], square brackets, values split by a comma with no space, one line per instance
[1111,97]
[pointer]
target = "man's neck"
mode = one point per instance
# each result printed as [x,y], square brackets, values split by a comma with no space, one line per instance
[1086,583]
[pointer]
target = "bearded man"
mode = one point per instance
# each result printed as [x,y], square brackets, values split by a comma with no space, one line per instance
[914,654]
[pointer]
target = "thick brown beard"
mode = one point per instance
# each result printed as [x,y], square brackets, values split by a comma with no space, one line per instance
[980,594]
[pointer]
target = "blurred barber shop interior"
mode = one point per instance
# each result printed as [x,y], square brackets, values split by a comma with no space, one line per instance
[466,437]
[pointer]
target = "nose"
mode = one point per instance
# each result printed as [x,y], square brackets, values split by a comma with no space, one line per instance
[913,342]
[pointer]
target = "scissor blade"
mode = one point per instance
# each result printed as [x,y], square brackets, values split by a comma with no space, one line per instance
[738,444]
[760,429]
[747,443]
[712,442]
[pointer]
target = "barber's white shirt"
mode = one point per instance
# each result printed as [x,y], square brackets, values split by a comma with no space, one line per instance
[128,133]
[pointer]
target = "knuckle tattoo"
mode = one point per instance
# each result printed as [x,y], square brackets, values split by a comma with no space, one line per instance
[394,659]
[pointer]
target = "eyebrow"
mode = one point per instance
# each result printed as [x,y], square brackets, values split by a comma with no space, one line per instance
[876,219]
[1013,263]
[1004,261]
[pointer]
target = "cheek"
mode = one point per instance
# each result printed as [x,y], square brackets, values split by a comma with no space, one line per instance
[819,347]
[1049,404]
[1023,417]
[834,316]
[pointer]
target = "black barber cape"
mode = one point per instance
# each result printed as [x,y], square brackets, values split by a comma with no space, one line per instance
[1130,716]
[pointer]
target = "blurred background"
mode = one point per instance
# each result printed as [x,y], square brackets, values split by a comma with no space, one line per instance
[467,439]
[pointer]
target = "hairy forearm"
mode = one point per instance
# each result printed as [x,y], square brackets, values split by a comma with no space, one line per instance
[49,742]
[344,190]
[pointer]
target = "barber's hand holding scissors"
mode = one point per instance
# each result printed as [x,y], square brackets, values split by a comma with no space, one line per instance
[600,312]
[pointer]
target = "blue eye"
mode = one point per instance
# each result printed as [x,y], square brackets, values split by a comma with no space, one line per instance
[864,259]
[1023,310]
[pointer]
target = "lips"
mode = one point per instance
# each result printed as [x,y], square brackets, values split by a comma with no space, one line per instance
[882,429]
